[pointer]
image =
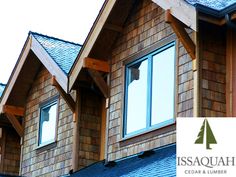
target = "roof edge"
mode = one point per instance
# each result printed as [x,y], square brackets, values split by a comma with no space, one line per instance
[90,32]
[27,45]
[49,63]
[214,12]
[55,38]
[91,39]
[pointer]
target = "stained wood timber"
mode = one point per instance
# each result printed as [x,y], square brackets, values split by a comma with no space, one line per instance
[15,123]
[181,33]
[90,41]
[95,64]
[231,73]
[113,27]
[67,97]
[181,10]
[103,130]
[76,118]
[17,111]
[100,82]
[196,80]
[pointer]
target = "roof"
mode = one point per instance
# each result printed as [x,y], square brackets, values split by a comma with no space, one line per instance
[162,162]
[213,4]
[216,8]
[62,52]
[2,87]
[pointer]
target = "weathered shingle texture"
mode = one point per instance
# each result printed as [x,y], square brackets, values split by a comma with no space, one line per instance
[213,4]
[160,164]
[62,52]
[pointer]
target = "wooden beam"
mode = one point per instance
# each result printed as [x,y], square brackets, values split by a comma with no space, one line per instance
[17,111]
[102,85]
[103,130]
[113,27]
[229,74]
[76,132]
[15,123]
[96,64]
[181,33]
[181,10]
[67,97]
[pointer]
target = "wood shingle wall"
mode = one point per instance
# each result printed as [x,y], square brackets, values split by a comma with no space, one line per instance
[90,127]
[56,160]
[213,62]
[10,151]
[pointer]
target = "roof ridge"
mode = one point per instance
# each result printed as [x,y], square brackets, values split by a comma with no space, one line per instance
[55,38]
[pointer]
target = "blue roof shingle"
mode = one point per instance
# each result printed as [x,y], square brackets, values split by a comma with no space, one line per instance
[2,87]
[64,53]
[160,164]
[213,4]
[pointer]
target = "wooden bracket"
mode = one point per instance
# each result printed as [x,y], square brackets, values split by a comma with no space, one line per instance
[98,65]
[102,85]
[15,123]
[178,28]
[14,110]
[67,97]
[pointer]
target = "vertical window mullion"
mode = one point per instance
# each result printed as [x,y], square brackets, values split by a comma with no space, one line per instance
[127,77]
[149,92]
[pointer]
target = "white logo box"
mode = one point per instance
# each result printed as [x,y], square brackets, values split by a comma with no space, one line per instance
[194,159]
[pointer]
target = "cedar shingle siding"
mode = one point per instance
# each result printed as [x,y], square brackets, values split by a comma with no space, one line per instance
[54,161]
[213,62]
[10,151]
[90,127]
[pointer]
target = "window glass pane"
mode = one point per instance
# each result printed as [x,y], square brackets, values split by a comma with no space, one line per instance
[137,96]
[163,86]
[48,124]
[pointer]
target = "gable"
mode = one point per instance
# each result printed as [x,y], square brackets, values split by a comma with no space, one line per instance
[39,50]
[106,28]
[110,23]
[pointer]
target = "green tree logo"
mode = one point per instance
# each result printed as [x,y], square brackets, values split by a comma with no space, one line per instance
[210,138]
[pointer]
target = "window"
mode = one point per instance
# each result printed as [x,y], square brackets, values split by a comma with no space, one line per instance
[150,91]
[47,123]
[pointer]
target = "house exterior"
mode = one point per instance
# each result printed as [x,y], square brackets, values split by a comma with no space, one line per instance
[111,104]
[33,106]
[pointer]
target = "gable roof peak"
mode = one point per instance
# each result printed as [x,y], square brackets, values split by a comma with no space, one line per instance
[62,52]
[51,37]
